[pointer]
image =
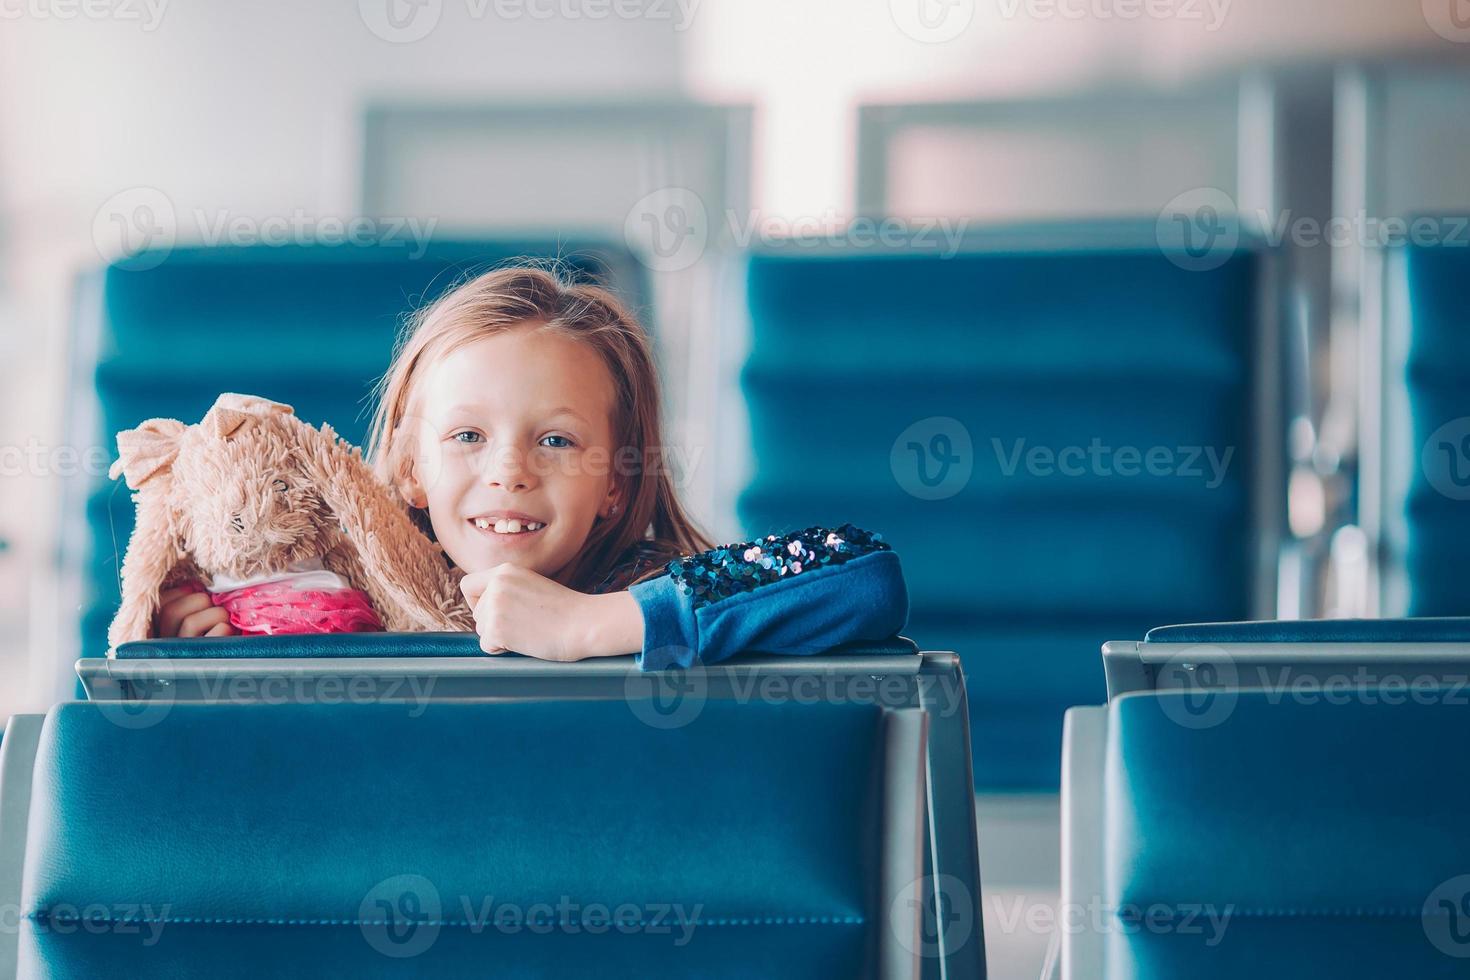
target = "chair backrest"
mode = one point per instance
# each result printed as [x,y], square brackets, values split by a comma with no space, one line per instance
[1417,431]
[309,325]
[1328,657]
[921,699]
[1060,439]
[542,837]
[1281,838]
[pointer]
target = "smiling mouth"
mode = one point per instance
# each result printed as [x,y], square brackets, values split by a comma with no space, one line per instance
[508,527]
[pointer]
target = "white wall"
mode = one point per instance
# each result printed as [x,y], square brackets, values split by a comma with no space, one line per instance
[808,64]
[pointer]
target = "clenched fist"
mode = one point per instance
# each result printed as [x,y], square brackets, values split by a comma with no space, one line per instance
[521,610]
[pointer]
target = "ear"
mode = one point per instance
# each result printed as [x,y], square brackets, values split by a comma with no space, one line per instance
[402,570]
[403,475]
[231,411]
[155,560]
[147,451]
[415,459]
[612,503]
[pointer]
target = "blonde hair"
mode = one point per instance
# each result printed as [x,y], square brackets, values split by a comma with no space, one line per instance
[501,299]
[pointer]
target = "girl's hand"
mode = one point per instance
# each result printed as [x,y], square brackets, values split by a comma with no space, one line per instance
[187,611]
[520,610]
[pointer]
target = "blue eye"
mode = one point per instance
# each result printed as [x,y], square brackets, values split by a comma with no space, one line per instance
[466,437]
[565,442]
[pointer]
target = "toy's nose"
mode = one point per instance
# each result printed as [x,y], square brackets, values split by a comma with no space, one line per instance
[237,522]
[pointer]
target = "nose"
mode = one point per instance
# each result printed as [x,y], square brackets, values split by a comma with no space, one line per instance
[506,469]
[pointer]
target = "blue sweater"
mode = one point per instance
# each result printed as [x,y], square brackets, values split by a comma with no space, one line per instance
[796,593]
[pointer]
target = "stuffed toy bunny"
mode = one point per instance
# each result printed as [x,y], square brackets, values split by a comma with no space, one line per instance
[284,524]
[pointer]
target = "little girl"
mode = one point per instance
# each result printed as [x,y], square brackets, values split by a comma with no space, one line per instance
[520,420]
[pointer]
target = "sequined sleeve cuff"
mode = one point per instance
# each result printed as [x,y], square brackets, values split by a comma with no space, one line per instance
[799,593]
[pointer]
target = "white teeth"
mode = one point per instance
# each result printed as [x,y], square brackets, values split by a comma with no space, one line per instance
[507,525]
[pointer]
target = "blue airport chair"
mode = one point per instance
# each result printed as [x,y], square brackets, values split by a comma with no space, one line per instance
[973,409]
[1419,435]
[785,835]
[1269,837]
[1347,654]
[309,325]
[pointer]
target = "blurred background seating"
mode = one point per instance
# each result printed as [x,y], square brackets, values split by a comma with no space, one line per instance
[973,407]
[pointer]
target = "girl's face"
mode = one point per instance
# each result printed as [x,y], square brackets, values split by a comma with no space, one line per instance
[514,431]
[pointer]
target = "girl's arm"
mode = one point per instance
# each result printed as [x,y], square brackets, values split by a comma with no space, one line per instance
[797,593]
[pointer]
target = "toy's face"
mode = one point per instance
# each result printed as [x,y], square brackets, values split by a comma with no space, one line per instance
[246,510]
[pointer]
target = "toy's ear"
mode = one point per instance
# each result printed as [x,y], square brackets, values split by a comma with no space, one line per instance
[401,570]
[155,560]
[147,451]
[230,411]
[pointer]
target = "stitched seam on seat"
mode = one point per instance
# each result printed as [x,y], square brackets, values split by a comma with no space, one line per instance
[1267,913]
[774,920]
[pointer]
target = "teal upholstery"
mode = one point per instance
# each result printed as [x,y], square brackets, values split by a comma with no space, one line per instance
[312,326]
[1022,571]
[373,840]
[1437,377]
[1327,840]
